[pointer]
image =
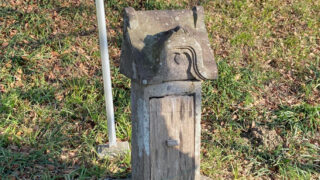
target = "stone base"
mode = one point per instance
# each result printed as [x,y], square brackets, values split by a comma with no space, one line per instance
[104,151]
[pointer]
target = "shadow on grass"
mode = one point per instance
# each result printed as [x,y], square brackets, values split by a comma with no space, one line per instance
[40,153]
[40,95]
[45,157]
[23,161]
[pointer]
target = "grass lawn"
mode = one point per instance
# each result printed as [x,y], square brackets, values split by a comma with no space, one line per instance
[260,119]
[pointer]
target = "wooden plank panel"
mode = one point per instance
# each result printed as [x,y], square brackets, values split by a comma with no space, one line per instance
[172,118]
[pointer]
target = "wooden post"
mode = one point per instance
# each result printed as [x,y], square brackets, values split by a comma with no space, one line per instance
[166,130]
[166,54]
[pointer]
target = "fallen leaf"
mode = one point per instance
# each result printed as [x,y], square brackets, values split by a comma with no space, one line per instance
[19,133]
[51,76]
[13,32]
[25,58]
[253,124]
[83,68]
[54,53]
[5,44]
[72,154]
[63,157]
[50,167]
[2,89]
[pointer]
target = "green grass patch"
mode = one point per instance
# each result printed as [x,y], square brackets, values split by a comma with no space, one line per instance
[52,112]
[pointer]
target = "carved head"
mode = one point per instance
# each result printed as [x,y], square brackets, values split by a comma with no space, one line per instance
[171,45]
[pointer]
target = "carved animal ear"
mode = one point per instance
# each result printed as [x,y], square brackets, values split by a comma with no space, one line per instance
[198,12]
[130,11]
[131,18]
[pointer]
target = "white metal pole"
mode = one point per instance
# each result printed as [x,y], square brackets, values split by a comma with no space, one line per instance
[106,71]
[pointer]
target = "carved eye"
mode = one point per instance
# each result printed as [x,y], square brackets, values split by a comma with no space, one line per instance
[177,58]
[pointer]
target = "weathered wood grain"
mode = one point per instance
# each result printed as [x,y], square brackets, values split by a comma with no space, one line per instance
[172,118]
[141,131]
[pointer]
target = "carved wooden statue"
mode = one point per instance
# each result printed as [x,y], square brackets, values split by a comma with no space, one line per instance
[166,54]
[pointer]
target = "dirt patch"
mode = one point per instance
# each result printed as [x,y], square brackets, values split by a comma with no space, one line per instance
[262,135]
